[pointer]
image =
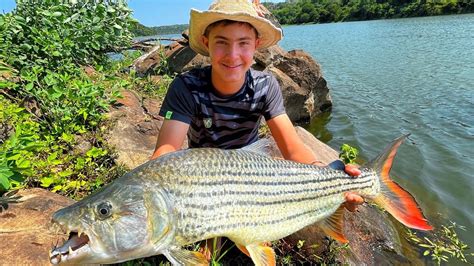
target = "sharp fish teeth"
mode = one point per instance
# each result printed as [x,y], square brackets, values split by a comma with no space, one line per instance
[50,254]
[70,250]
[79,232]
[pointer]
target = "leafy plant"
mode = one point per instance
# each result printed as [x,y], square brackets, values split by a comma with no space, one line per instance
[41,48]
[348,154]
[444,245]
[20,146]
[53,33]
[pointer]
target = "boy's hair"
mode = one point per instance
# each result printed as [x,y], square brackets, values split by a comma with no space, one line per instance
[226,22]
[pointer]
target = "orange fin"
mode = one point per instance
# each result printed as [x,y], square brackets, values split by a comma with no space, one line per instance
[243,249]
[185,257]
[393,198]
[332,225]
[261,255]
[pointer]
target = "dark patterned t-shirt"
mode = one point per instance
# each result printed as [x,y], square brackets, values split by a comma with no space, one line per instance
[224,122]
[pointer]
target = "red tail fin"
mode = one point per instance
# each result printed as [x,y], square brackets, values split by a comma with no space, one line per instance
[393,198]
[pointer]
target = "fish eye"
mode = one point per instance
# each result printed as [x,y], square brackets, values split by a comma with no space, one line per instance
[104,210]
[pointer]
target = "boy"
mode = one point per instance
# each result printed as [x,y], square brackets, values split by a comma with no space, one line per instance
[221,105]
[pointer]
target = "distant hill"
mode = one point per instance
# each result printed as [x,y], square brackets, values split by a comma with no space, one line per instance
[139,29]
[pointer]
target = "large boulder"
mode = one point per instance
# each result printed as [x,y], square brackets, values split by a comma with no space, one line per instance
[305,91]
[25,228]
[135,128]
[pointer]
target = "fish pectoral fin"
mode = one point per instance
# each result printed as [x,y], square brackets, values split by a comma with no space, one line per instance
[332,226]
[243,249]
[261,255]
[179,256]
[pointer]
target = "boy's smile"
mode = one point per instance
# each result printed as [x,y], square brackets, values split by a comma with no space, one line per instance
[231,50]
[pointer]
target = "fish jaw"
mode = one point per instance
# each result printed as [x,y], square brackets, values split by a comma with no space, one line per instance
[131,228]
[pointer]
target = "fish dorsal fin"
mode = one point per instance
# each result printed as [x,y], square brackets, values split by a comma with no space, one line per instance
[261,146]
[261,255]
[332,225]
[179,256]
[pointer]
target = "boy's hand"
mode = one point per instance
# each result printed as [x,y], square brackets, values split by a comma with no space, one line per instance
[352,170]
[353,201]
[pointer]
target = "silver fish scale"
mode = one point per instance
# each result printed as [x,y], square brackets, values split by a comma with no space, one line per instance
[250,197]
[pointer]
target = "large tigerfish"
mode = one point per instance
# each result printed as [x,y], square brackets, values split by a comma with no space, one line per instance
[196,194]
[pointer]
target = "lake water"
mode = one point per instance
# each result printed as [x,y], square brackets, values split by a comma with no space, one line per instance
[392,77]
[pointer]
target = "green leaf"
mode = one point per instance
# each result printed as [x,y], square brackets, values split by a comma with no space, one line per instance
[46,181]
[65,173]
[5,174]
[14,157]
[29,86]
[56,188]
[95,152]
[25,46]
[4,183]
[23,163]
[57,14]
[56,53]
[117,27]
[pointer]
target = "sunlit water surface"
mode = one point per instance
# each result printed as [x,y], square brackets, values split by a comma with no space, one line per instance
[392,77]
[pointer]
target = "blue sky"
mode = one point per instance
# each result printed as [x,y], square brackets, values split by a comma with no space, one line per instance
[152,12]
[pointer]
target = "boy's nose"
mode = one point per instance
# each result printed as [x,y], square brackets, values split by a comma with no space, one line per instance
[233,51]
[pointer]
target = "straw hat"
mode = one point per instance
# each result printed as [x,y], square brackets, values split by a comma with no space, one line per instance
[238,10]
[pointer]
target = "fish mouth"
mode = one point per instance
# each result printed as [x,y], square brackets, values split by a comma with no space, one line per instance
[76,244]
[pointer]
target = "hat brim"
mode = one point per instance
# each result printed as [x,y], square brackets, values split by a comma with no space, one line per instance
[268,33]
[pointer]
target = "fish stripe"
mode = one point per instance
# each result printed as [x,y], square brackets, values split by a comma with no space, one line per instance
[230,172]
[233,203]
[280,192]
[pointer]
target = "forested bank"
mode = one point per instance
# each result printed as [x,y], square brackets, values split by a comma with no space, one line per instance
[139,29]
[324,11]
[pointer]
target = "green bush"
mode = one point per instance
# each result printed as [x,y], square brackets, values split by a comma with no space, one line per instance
[42,47]
[54,33]
[21,145]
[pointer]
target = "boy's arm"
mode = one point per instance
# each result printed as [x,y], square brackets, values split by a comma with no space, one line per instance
[288,141]
[171,137]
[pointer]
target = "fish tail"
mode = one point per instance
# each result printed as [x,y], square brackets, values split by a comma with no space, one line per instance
[393,198]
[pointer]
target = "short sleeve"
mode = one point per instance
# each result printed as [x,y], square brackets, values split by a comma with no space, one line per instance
[178,103]
[274,100]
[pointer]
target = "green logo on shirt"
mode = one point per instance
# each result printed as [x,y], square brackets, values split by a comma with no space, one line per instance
[168,114]
[207,122]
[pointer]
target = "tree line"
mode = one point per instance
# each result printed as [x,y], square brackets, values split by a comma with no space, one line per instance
[323,11]
[139,29]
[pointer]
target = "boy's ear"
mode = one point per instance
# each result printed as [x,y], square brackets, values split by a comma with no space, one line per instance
[257,43]
[205,41]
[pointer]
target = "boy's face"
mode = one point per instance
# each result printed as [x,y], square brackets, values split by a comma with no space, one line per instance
[231,49]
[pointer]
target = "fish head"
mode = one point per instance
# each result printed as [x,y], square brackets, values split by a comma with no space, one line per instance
[122,221]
